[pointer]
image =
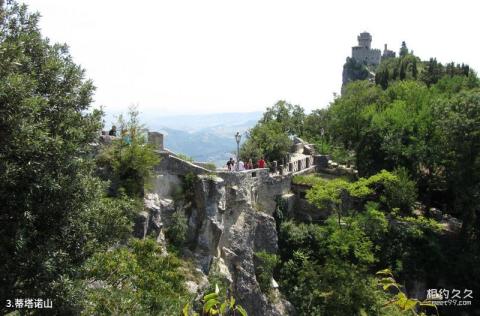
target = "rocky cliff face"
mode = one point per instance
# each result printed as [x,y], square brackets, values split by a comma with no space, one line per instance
[353,70]
[225,229]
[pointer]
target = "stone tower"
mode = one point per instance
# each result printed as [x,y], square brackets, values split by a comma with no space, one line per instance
[363,53]
[388,53]
[364,40]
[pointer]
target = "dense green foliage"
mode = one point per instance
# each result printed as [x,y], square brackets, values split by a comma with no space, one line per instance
[324,269]
[265,264]
[47,187]
[134,280]
[270,137]
[214,304]
[176,232]
[128,162]
[328,269]
[431,132]
[339,195]
[309,179]
[404,68]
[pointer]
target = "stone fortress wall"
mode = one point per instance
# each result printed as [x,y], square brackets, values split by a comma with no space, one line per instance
[260,187]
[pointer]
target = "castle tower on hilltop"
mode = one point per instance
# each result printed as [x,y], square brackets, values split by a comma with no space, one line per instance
[363,53]
[364,40]
[367,57]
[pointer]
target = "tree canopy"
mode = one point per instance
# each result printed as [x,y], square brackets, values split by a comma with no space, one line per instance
[47,182]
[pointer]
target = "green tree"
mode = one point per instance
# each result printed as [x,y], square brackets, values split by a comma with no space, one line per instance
[130,158]
[349,115]
[177,230]
[138,279]
[459,122]
[291,117]
[403,50]
[402,193]
[324,268]
[433,72]
[267,139]
[265,264]
[46,175]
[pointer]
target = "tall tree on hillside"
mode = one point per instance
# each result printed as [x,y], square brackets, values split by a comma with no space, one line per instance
[458,119]
[403,50]
[433,72]
[290,116]
[46,182]
[459,123]
[349,115]
[414,69]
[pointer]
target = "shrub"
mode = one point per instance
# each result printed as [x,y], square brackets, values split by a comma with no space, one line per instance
[176,232]
[401,193]
[324,268]
[110,221]
[342,156]
[264,267]
[134,280]
[214,305]
[130,159]
[310,179]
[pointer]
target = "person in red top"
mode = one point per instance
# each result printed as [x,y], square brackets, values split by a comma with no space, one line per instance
[261,163]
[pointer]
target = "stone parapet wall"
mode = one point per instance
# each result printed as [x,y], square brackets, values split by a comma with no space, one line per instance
[206,165]
[295,164]
[169,162]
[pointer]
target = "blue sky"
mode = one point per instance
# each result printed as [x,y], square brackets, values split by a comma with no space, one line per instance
[187,57]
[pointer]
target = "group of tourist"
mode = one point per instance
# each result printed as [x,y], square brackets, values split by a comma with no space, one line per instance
[232,164]
[126,138]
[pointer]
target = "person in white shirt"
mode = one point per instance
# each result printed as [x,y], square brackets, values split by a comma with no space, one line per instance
[241,166]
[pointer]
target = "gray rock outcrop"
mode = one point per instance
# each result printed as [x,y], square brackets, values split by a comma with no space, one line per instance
[226,230]
[151,220]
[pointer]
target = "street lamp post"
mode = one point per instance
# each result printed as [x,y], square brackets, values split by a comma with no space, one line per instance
[322,133]
[238,137]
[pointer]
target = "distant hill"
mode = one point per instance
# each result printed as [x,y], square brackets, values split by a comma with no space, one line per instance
[193,123]
[208,137]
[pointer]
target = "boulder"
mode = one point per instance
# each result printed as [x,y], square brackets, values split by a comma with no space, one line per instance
[435,213]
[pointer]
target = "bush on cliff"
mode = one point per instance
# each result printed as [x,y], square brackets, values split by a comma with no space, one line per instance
[130,159]
[133,280]
[265,263]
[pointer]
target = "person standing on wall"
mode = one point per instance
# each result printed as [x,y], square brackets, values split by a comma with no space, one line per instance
[241,166]
[230,164]
[261,163]
[249,164]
